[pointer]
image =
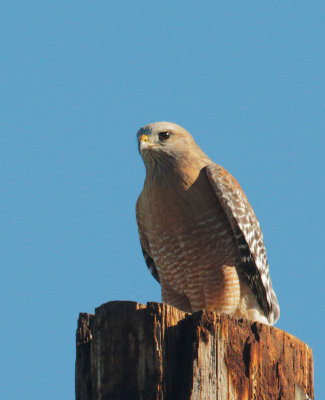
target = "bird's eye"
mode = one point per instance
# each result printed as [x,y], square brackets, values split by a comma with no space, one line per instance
[164,136]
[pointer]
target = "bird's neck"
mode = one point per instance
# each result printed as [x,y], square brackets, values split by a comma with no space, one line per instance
[178,174]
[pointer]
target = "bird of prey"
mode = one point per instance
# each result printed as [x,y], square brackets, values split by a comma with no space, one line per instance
[199,235]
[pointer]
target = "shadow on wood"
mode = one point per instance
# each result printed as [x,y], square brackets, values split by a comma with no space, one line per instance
[127,350]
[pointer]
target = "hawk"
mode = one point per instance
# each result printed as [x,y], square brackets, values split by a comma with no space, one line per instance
[199,235]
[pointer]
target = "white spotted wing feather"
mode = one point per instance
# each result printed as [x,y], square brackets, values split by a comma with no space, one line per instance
[249,238]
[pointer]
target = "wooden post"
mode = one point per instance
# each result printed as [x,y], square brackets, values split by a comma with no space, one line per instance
[128,350]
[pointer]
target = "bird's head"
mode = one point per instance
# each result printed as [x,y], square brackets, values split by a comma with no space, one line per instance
[165,142]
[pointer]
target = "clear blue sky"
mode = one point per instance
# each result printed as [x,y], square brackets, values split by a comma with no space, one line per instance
[77,80]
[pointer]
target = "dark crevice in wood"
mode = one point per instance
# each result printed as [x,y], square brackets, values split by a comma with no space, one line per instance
[247,355]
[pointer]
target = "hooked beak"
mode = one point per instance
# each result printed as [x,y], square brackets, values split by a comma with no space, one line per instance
[144,143]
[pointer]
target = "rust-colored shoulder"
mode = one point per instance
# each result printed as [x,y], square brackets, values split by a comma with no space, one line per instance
[228,178]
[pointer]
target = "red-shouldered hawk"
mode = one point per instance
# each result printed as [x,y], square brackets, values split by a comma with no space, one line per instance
[199,235]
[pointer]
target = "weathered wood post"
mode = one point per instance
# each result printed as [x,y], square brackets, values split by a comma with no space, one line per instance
[127,350]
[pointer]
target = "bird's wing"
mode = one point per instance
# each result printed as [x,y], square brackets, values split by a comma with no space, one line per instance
[248,235]
[151,265]
[144,243]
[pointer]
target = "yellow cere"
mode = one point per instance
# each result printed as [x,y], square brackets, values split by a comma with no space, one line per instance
[144,138]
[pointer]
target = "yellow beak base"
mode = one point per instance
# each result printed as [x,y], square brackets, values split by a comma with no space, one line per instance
[144,138]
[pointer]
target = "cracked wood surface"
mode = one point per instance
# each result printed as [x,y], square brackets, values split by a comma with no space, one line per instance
[128,350]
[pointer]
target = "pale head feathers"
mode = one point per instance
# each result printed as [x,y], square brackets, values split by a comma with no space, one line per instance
[168,144]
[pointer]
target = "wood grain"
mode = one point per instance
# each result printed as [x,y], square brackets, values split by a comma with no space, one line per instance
[128,350]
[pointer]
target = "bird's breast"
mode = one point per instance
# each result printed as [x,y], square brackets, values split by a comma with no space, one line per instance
[190,237]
